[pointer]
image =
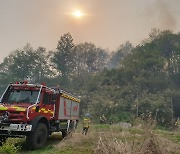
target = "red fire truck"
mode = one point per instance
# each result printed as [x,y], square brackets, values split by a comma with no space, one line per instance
[35,111]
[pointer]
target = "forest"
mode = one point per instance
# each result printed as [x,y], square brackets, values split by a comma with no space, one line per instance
[141,81]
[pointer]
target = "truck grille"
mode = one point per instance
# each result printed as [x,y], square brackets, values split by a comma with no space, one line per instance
[13,116]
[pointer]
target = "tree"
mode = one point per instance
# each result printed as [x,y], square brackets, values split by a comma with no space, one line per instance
[42,68]
[22,63]
[89,58]
[27,64]
[63,56]
[120,54]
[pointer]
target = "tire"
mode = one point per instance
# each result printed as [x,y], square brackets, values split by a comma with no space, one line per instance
[71,129]
[37,138]
[64,134]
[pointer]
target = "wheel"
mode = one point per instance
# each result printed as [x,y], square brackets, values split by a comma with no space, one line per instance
[70,130]
[2,140]
[37,138]
[64,134]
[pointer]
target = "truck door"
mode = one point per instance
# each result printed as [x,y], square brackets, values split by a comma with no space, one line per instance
[47,107]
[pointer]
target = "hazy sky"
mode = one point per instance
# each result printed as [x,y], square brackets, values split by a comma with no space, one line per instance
[106,23]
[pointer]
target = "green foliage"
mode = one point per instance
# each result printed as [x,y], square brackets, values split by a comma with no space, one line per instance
[144,81]
[178,138]
[9,147]
[89,59]
[139,86]
[25,64]
[63,57]
[119,55]
[101,127]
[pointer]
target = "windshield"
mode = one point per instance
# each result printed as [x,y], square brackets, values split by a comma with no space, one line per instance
[21,96]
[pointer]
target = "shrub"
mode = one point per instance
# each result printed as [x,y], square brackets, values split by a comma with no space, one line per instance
[9,147]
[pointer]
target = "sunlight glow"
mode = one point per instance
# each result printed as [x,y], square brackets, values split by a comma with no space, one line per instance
[77,14]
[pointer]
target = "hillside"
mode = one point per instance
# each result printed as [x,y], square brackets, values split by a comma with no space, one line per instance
[130,82]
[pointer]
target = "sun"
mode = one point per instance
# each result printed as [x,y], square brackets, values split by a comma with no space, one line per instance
[77,14]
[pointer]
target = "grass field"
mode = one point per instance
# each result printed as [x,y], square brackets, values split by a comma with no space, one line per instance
[106,139]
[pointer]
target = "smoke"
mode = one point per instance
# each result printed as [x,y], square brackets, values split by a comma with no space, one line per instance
[160,14]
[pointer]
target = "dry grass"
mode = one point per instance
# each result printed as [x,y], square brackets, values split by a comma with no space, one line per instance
[132,142]
[106,139]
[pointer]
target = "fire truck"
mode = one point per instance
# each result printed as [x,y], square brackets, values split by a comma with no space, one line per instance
[36,111]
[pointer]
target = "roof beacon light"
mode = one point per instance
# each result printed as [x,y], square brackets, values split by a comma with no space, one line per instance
[43,84]
[25,82]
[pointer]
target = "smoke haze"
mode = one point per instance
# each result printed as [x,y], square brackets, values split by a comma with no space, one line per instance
[161,14]
[107,24]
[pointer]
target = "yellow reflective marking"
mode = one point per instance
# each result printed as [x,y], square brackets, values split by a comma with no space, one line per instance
[43,109]
[20,109]
[3,107]
[17,108]
[70,97]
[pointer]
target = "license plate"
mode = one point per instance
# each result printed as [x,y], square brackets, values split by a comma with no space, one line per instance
[13,127]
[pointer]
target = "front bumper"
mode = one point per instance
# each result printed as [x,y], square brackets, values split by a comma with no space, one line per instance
[15,127]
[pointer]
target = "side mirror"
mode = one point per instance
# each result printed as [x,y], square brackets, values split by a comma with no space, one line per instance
[54,97]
